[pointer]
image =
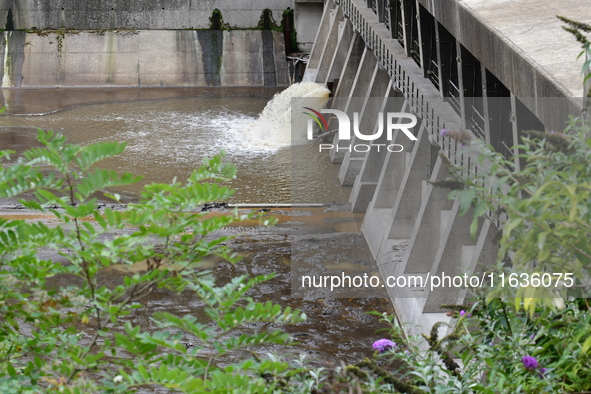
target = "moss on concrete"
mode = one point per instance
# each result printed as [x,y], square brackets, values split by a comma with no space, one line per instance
[217,21]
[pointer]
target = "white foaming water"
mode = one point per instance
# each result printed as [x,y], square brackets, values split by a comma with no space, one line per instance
[272,130]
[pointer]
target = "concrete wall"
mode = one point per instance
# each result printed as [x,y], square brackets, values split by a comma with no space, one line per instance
[110,57]
[143,58]
[307,19]
[137,14]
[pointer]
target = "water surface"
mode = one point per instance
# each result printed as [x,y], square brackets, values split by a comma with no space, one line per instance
[168,138]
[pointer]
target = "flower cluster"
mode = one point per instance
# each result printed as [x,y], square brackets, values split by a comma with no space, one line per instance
[383,345]
[531,364]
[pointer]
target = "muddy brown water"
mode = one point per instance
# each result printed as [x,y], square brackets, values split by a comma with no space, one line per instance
[167,138]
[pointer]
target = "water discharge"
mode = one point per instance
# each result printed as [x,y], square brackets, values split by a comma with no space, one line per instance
[273,128]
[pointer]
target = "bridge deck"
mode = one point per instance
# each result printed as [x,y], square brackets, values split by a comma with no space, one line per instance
[532,28]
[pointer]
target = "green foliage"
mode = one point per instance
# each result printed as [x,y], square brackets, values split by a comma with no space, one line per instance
[267,22]
[545,205]
[578,29]
[491,339]
[76,338]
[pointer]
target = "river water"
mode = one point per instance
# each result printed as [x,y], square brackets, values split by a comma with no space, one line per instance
[168,137]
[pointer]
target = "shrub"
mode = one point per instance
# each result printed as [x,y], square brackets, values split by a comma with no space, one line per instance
[72,339]
[545,207]
[496,348]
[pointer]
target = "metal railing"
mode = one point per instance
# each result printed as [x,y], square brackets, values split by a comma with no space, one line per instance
[477,123]
[415,51]
[433,73]
[418,104]
[454,96]
[506,151]
[400,33]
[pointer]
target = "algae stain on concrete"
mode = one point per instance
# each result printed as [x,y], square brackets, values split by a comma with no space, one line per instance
[269,74]
[61,72]
[212,46]
[110,53]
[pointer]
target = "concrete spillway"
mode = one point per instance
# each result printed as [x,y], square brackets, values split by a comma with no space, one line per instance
[435,61]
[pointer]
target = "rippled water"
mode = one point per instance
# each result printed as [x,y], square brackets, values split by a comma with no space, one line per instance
[169,138]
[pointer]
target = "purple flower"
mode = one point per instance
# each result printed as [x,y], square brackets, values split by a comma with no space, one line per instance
[530,362]
[532,336]
[383,345]
[444,132]
[542,372]
[462,312]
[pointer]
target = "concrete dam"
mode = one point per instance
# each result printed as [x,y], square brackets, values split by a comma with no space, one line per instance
[444,62]
[440,60]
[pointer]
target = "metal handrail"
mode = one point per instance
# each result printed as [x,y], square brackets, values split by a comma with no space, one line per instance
[506,151]
[400,33]
[454,96]
[415,52]
[477,123]
[433,73]
[404,83]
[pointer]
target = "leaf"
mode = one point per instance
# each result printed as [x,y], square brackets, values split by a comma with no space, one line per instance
[542,239]
[10,369]
[511,225]
[466,198]
[587,345]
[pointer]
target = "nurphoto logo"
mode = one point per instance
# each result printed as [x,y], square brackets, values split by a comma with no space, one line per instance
[344,130]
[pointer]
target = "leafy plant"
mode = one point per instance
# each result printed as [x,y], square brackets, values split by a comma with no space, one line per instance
[545,205]
[78,338]
[497,348]
[578,29]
